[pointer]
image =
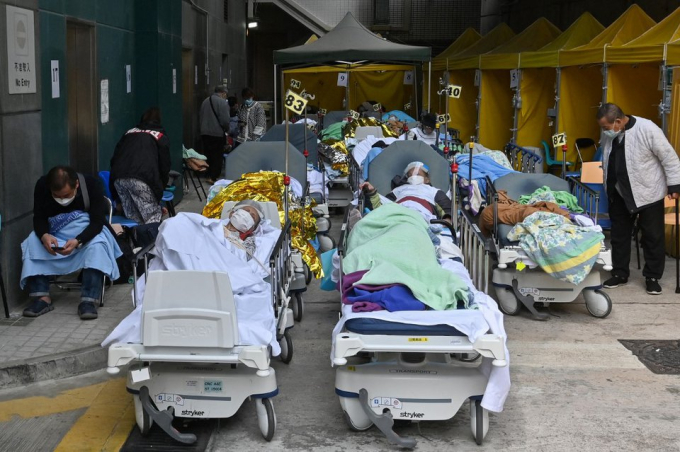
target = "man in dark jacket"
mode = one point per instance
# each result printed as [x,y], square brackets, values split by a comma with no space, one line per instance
[59,193]
[214,118]
[140,169]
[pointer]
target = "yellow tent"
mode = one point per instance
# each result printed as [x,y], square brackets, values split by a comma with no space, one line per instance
[462,68]
[382,83]
[496,110]
[465,40]
[581,77]
[538,77]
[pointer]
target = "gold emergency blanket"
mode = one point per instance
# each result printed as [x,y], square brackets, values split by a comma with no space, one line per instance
[351,128]
[268,186]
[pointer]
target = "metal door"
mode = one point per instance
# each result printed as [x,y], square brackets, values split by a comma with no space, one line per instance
[81,89]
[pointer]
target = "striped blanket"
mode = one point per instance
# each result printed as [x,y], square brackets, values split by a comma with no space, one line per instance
[564,250]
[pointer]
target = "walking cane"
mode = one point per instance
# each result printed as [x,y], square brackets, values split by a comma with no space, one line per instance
[677,251]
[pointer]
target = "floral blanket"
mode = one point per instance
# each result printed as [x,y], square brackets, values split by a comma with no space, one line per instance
[562,249]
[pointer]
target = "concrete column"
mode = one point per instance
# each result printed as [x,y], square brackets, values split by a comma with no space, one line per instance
[20,157]
[491,15]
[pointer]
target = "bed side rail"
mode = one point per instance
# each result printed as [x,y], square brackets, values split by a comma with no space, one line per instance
[475,255]
[492,200]
[354,173]
[586,197]
[522,159]
[280,271]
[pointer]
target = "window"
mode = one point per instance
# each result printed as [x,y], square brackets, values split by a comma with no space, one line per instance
[226,10]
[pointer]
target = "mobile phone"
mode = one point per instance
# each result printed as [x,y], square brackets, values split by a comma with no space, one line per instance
[58,248]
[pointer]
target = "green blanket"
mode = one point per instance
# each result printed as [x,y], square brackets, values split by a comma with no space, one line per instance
[392,243]
[334,131]
[561,198]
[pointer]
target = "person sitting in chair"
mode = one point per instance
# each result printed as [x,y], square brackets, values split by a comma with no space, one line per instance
[69,234]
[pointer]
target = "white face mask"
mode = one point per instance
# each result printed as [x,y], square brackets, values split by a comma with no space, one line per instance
[64,201]
[242,220]
[416,180]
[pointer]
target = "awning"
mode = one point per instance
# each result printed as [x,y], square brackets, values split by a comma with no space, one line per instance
[648,47]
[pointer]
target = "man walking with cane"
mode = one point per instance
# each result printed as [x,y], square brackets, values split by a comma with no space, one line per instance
[640,168]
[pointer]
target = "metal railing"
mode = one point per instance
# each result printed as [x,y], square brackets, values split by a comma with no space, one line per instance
[586,197]
[522,159]
[475,255]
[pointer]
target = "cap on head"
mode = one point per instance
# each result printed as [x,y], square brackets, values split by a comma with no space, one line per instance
[250,203]
[419,165]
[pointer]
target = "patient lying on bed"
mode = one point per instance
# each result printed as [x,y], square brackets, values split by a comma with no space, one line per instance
[237,246]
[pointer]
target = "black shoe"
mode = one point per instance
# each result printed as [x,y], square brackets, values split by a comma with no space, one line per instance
[37,308]
[615,281]
[87,310]
[653,286]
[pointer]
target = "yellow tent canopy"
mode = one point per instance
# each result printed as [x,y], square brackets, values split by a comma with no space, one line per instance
[631,24]
[585,28]
[649,46]
[311,39]
[464,41]
[673,54]
[469,58]
[506,56]
[383,83]
[538,78]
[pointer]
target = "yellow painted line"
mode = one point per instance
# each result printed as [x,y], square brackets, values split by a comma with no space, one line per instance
[106,423]
[44,406]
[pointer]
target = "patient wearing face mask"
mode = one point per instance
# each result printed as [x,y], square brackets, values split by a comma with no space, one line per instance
[412,189]
[244,219]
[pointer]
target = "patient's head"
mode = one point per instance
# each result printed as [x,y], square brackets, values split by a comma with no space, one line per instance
[245,216]
[417,173]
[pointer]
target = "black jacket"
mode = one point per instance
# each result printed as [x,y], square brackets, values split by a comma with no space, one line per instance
[44,207]
[142,153]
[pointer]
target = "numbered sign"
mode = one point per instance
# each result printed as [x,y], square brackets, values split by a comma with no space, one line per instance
[408,77]
[453,91]
[478,77]
[295,83]
[310,126]
[407,106]
[354,114]
[514,78]
[441,119]
[377,107]
[294,103]
[559,140]
[322,112]
[448,117]
[342,79]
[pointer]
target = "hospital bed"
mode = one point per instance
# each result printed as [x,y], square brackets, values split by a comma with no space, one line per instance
[251,157]
[516,285]
[305,141]
[389,368]
[189,363]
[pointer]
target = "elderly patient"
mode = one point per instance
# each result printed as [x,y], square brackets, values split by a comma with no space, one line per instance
[238,246]
[413,190]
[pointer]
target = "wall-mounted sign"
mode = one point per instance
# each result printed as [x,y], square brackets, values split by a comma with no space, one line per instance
[20,51]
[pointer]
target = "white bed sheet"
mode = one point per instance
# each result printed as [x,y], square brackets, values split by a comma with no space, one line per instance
[473,323]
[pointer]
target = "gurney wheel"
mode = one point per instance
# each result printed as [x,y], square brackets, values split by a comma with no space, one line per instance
[479,421]
[298,307]
[326,242]
[598,303]
[353,427]
[507,301]
[266,418]
[144,421]
[286,348]
[308,274]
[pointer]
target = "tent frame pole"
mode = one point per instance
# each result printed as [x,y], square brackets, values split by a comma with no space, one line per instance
[605,82]
[664,109]
[479,106]
[276,113]
[517,100]
[558,87]
[429,85]
[415,91]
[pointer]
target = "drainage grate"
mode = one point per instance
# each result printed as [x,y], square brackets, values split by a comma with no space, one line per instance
[158,440]
[661,357]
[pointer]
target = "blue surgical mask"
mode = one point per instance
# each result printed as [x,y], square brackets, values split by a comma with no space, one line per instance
[611,133]
[249,102]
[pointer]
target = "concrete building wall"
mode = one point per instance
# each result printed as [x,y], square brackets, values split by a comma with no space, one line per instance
[227,55]
[20,155]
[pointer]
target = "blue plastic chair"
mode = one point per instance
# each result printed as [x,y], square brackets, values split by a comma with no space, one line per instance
[105,176]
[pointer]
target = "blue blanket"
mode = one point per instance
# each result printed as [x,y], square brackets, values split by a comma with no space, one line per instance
[482,166]
[99,253]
